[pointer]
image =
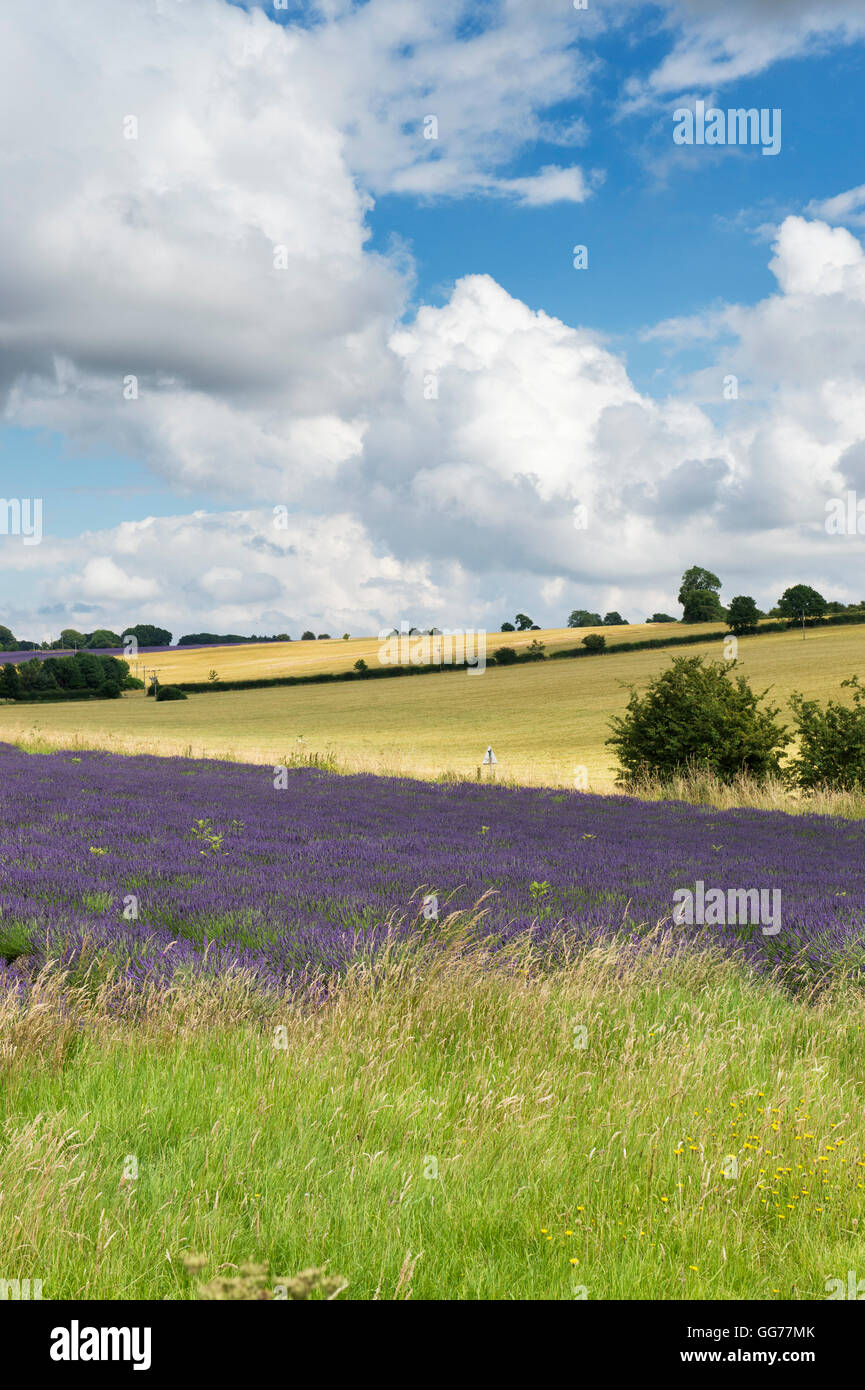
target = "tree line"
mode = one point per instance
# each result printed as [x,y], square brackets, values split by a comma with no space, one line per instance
[700,597]
[70,639]
[146,635]
[84,676]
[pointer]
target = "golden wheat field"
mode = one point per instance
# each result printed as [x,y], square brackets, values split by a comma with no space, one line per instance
[543,720]
[268,659]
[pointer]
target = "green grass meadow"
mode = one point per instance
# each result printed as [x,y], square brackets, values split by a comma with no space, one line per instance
[448,1131]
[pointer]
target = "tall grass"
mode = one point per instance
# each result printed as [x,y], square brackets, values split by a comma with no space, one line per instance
[705,789]
[440,1130]
[698,787]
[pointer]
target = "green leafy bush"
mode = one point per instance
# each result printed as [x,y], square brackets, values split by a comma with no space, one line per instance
[595,642]
[831,749]
[170,692]
[504,656]
[696,716]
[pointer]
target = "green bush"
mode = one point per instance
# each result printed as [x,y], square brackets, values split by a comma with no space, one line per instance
[694,716]
[595,642]
[170,692]
[133,683]
[743,615]
[831,742]
[504,656]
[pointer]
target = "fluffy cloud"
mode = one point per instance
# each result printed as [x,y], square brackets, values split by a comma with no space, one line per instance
[844,207]
[720,43]
[431,461]
[218,256]
[230,571]
[503,420]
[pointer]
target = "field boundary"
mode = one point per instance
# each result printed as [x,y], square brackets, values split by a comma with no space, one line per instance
[520,659]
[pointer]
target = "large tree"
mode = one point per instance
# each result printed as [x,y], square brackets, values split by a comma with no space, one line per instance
[699,596]
[148,636]
[10,688]
[702,606]
[801,601]
[742,615]
[102,639]
[581,617]
[8,642]
[698,578]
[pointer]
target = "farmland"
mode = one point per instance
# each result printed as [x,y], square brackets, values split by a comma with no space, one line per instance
[269,659]
[542,719]
[279,1058]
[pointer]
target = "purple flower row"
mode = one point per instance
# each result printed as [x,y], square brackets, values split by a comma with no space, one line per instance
[178,864]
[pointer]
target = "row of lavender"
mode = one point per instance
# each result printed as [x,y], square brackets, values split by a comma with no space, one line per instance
[15,658]
[181,864]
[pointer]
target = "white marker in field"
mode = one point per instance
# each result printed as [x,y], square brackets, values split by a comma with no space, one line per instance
[490,758]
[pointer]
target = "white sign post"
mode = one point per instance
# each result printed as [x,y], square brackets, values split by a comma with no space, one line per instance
[490,760]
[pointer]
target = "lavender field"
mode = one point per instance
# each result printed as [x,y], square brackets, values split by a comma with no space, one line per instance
[175,865]
[374,1096]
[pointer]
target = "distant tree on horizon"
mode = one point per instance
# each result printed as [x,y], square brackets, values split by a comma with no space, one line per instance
[103,637]
[800,600]
[742,615]
[699,595]
[147,635]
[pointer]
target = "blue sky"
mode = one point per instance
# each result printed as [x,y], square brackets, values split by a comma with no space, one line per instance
[302,387]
